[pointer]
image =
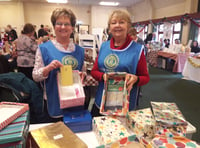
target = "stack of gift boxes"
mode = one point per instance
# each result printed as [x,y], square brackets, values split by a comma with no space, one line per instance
[14,124]
[162,125]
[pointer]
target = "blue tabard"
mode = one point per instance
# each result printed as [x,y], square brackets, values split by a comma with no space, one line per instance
[124,60]
[49,53]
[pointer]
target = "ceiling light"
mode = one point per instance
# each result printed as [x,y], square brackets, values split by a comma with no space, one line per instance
[109,3]
[4,0]
[57,1]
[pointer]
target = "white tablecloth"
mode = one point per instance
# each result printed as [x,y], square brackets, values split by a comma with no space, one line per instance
[191,72]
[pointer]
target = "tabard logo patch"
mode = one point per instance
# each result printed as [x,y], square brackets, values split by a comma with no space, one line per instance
[70,60]
[111,61]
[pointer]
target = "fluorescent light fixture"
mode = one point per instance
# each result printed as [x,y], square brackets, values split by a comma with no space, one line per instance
[109,3]
[57,1]
[5,0]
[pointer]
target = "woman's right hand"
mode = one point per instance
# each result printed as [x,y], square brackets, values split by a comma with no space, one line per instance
[53,65]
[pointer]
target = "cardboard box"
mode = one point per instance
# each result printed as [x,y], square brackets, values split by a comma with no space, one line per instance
[56,135]
[73,95]
[142,123]
[109,129]
[115,98]
[78,120]
[15,134]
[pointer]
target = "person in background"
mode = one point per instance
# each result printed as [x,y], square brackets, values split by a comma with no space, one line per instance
[12,34]
[26,48]
[133,33]
[148,38]
[53,54]
[166,43]
[126,56]
[35,33]
[195,47]
[42,32]
[176,47]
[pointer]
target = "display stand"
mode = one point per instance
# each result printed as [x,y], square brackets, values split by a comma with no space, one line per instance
[88,41]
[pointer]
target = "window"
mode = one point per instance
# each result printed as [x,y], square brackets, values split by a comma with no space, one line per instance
[173,34]
[142,34]
[176,31]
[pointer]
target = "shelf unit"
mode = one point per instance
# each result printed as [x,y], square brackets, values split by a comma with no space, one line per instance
[88,41]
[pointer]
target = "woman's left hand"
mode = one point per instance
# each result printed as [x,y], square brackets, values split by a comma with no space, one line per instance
[130,79]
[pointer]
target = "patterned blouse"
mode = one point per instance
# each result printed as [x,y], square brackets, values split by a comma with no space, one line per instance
[26,49]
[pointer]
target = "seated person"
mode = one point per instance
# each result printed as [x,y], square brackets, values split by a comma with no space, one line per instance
[194,47]
[176,48]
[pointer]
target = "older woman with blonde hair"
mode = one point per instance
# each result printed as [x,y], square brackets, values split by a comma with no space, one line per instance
[126,56]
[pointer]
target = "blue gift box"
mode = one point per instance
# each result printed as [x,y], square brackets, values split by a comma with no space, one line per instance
[14,135]
[78,120]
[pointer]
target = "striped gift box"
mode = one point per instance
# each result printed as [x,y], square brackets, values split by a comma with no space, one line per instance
[14,135]
[10,111]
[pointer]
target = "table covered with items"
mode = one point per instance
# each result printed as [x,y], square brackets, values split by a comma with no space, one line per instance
[158,58]
[160,125]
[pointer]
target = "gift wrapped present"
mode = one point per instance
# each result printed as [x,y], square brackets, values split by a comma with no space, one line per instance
[15,134]
[172,142]
[168,116]
[115,98]
[142,123]
[126,142]
[109,129]
[55,135]
[10,111]
[71,95]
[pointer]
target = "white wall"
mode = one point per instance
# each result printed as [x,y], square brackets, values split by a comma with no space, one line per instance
[100,15]
[40,13]
[12,13]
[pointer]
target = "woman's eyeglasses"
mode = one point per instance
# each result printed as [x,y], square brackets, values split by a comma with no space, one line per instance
[61,24]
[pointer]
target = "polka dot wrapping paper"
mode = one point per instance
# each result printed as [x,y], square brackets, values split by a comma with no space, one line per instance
[173,142]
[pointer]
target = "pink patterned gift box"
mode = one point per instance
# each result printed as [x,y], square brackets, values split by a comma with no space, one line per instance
[142,123]
[109,129]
